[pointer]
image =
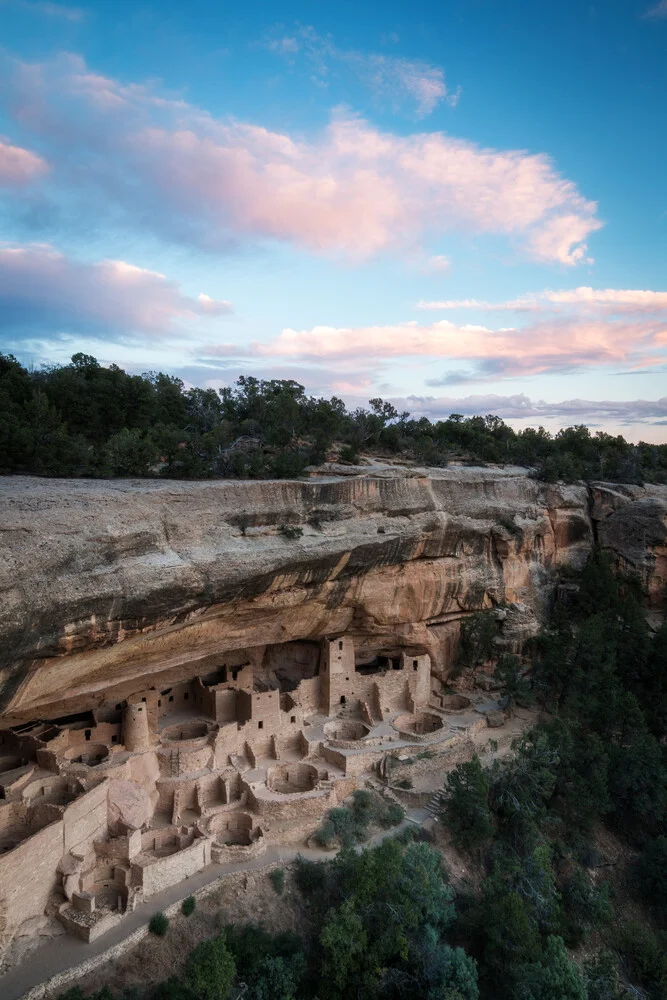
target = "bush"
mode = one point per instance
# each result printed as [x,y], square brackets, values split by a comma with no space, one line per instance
[325,836]
[188,906]
[210,970]
[466,811]
[651,873]
[349,455]
[404,783]
[310,876]
[159,924]
[277,877]
[644,956]
[344,824]
[291,531]
[394,814]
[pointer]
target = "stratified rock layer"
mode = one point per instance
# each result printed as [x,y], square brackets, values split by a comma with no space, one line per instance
[104,585]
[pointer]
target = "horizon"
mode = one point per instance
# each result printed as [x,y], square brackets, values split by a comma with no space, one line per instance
[461,213]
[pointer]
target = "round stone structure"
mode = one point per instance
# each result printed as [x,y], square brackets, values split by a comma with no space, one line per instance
[348,730]
[287,779]
[418,723]
[193,733]
[90,754]
[455,702]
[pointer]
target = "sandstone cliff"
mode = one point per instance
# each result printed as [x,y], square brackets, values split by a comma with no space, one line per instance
[106,584]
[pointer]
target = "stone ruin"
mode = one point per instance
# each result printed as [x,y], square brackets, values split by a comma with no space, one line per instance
[104,808]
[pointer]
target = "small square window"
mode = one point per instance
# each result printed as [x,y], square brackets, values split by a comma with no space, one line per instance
[340,644]
[292,718]
[143,699]
[260,725]
[87,734]
[114,739]
[171,697]
[415,664]
[159,703]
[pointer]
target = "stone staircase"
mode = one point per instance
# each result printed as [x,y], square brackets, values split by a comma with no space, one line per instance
[436,803]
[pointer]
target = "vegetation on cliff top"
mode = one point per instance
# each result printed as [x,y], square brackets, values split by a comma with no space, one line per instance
[83,419]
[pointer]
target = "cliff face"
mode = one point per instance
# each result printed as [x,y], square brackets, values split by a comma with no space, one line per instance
[106,585]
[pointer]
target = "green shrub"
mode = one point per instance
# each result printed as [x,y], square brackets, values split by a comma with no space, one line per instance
[291,531]
[395,814]
[349,454]
[404,783]
[325,835]
[277,877]
[210,969]
[188,906]
[310,876]
[644,956]
[159,924]
[344,824]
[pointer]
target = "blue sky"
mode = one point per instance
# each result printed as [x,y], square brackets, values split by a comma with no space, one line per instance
[457,206]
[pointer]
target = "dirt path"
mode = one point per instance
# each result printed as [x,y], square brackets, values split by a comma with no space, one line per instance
[64,952]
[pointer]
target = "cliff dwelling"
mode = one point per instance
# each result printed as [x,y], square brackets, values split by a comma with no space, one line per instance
[105,807]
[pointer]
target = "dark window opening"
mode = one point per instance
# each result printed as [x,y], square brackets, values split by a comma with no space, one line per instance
[87,734]
[186,696]
[340,644]
[143,699]
[235,674]
[171,697]
[159,703]
[342,699]
[140,708]
[114,739]
[292,718]
[260,725]
[119,706]
[167,691]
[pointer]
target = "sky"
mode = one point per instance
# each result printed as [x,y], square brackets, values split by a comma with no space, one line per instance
[458,205]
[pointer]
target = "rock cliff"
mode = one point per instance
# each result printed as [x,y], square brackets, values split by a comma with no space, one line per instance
[104,585]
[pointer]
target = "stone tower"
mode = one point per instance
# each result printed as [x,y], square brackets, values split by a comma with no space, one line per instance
[136,734]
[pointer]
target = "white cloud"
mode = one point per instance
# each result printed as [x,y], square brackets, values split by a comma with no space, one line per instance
[394,79]
[44,291]
[351,190]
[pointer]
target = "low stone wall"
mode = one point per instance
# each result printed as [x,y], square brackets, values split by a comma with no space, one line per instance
[156,874]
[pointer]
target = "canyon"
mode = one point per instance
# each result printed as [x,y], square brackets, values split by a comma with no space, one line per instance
[189,670]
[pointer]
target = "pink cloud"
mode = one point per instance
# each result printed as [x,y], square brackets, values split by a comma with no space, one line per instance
[43,289]
[565,330]
[19,166]
[605,299]
[351,190]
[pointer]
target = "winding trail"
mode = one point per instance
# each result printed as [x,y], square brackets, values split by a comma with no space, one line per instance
[64,952]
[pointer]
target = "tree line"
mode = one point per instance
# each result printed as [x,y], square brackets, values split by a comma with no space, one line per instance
[85,419]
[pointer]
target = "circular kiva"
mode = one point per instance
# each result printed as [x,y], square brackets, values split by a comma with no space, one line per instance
[418,723]
[290,778]
[87,753]
[455,702]
[345,729]
[186,732]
